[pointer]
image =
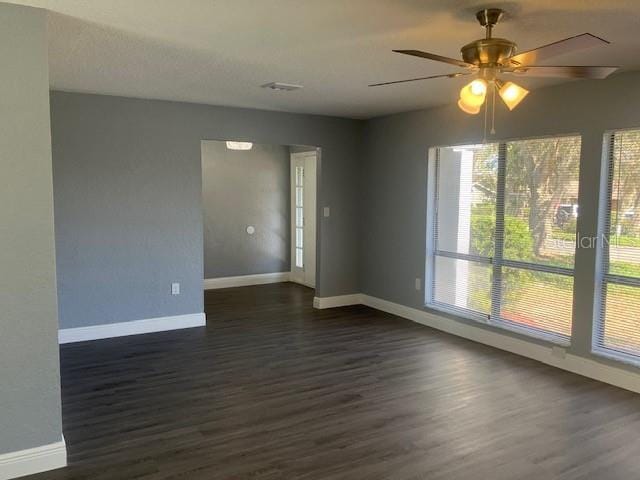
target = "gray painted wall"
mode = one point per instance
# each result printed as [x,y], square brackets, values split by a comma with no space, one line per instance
[395,170]
[241,188]
[128,201]
[29,365]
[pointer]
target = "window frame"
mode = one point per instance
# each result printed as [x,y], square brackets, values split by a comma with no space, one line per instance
[603,277]
[497,262]
[433,252]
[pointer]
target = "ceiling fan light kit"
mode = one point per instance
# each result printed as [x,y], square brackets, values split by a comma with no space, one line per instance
[489,58]
[512,94]
[472,96]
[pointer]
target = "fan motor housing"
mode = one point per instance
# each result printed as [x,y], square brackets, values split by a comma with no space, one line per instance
[488,52]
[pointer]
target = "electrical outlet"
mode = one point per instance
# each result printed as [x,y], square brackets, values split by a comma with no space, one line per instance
[418,284]
[326,212]
[175,289]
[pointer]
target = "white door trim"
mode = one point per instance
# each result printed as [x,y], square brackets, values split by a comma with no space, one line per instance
[305,275]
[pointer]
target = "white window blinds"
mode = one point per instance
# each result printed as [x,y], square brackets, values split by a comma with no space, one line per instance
[502,237]
[465,205]
[617,331]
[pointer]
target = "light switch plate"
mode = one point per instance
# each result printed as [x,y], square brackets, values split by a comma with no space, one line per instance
[175,289]
[418,284]
[326,211]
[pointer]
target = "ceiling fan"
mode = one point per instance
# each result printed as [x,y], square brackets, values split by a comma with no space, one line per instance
[490,57]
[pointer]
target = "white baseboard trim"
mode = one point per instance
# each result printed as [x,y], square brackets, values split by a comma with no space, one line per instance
[339,301]
[304,284]
[33,460]
[135,327]
[586,367]
[246,280]
[582,366]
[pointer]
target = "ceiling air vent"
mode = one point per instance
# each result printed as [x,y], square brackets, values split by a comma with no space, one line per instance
[286,87]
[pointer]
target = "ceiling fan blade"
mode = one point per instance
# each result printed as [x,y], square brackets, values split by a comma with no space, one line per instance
[596,72]
[437,58]
[449,75]
[571,44]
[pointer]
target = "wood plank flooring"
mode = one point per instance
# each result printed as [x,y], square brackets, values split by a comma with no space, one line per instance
[273,389]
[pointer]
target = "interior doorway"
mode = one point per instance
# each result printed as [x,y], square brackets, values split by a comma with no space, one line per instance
[259,213]
[303,217]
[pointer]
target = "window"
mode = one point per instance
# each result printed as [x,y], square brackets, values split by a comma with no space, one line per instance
[299,216]
[502,234]
[617,325]
[463,229]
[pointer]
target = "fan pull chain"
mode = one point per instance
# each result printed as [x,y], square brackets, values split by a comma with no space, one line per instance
[486,111]
[493,109]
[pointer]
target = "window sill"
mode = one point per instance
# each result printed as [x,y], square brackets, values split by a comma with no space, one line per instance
[610,354]
[500,324]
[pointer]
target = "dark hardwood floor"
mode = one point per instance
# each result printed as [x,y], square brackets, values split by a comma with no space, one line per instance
[273,389]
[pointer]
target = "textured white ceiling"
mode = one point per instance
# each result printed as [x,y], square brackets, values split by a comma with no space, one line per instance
[221,51]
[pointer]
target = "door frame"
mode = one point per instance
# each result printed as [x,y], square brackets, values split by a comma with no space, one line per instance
[300,275]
